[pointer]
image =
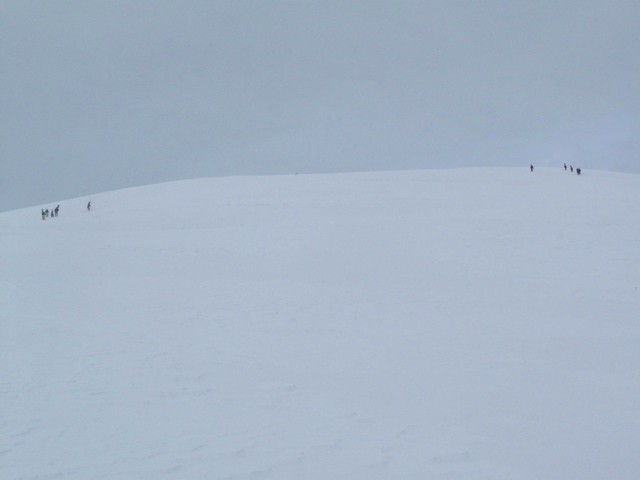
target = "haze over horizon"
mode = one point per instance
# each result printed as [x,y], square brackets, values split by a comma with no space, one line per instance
[98,96]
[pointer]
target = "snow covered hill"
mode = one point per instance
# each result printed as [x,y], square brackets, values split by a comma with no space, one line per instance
[454,324]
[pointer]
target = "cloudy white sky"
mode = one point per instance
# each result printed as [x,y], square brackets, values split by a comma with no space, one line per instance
[100,95]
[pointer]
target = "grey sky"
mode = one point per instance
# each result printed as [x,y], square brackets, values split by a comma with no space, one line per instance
[100,95]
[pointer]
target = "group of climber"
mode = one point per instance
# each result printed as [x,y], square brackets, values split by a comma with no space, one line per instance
[578,170]
[50,213]
[46,213]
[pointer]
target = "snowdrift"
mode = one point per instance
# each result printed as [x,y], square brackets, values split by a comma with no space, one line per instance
[458,324]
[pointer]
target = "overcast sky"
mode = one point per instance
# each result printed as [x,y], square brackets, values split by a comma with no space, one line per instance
[101,95]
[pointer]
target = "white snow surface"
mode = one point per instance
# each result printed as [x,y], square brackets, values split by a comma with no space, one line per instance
[449,324]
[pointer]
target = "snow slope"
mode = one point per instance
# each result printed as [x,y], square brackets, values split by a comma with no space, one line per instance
[455,324]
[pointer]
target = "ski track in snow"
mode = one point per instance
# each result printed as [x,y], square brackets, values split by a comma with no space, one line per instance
[455,324]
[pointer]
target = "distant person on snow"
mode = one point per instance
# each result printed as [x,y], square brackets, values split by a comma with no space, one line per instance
[578,171]
[42,213]
[56,210]
[571,167]
[531,167]
[89,207]
[565,167]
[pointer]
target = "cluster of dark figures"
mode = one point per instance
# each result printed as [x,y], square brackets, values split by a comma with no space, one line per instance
[53,213]
[578,171]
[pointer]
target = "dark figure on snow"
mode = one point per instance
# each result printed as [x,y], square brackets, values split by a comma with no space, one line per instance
[56,210]
[578,171]
[531,167]
[42,214]
[565,167]
[89,207]
[571,167]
